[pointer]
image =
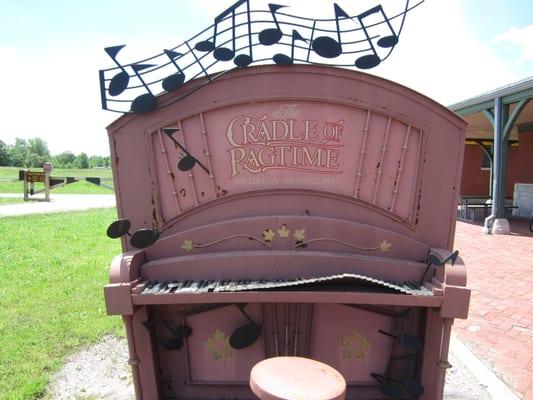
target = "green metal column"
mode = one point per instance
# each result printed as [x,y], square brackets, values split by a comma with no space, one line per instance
[503,141]
[496,165]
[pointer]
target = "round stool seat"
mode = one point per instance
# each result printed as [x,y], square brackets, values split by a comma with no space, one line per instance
[296,378]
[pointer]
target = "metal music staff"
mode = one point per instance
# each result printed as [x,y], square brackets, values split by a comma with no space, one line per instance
[363,40]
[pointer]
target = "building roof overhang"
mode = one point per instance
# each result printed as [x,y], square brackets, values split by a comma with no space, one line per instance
[474,109]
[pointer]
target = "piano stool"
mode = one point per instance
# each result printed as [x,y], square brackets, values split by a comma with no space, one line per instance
[295,378]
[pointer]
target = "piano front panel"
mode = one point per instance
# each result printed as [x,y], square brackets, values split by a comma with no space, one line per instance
[349,338]
[210,356]
[343,336]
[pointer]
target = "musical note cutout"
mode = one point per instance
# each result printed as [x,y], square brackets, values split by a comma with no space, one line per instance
[372,60]
[224,53]
[270,36]
[392,388]
[245,335]
[174,81]
[282,59]
[372,39]
[405,340]
[144,102]
[120,81]
[175,341]
[433,259]
[188,161]
[326,46]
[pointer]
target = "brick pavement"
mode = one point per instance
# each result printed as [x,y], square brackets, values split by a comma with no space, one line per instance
[499,330]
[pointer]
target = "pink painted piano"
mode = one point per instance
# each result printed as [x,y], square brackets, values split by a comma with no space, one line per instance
[306,211]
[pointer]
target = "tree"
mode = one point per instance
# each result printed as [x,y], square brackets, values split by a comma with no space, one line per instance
[96,162]
[82,161]
[18,152]
[5,157]
[38,146]
[37,153]
[31,153]
[64,160]
[34,160]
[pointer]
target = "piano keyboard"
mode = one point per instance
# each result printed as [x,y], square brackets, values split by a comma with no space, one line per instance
[353,281]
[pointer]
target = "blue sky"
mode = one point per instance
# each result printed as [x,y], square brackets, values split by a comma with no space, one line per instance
[51,51]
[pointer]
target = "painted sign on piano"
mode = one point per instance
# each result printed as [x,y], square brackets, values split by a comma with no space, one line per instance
[353,151]
[284,142]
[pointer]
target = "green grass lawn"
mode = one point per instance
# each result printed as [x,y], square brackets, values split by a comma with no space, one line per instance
[9,182]
[52,268]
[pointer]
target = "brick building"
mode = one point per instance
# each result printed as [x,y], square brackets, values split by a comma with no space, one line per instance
[498,158]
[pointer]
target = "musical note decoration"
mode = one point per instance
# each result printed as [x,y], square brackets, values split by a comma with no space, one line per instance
[349,40]
[282,59]
[327,47]
[372,60]
[223,53]
[140,239]
[188,161]
[393,388]
[174,81]
[269,36]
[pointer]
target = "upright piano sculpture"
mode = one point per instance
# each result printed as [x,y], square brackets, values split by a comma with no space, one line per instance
[302,211]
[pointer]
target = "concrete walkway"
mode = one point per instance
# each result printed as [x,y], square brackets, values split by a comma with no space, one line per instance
[491,352]
[57,203]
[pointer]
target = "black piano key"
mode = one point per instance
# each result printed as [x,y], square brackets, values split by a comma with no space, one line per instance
[151,286]
[212,287]
[154,288]
[164,288]
[236,285]
[172,286]
[193,287]
[185,284]
[202,286]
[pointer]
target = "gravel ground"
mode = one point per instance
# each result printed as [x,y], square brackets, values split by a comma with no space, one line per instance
[98,372]
[102,372]
[461,384]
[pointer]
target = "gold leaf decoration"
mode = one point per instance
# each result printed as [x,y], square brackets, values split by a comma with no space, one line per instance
[299,235]
[268,235]
[283,231]
[218,346]
[353,346]
[187,245]
[385,246]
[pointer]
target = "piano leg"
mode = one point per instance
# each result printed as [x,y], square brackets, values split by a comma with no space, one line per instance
[133,360]
[141,354]
[443,362]
[436,343]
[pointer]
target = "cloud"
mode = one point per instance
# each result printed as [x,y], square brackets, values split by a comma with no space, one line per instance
[54,92]
[522,38]
[439,56]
